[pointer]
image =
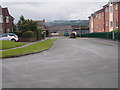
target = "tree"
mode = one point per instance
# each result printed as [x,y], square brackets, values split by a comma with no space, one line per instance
[26,25]
[14,27]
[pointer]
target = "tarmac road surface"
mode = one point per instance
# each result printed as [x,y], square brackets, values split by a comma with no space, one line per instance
[70,63]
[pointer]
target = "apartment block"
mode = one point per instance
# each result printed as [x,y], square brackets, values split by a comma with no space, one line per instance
[106,19]
[1,20]
[6,21]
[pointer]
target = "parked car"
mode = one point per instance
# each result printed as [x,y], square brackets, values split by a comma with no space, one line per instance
[9,37]
[72,35]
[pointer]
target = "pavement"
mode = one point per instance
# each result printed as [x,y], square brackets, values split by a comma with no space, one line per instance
[70,63]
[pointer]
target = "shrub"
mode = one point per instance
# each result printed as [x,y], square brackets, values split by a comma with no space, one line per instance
[28,34]
[18,33]
[38,34]
[105,35]
[42,36]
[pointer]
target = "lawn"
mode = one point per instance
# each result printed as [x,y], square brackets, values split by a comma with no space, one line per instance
[40,46]
[9,44]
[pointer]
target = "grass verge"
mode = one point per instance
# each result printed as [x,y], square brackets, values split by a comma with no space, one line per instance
[9,44]
[37,47]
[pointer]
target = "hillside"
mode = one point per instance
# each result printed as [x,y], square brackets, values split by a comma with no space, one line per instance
[68,22]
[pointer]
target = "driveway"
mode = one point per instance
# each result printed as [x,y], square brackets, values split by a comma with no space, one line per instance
[70,63]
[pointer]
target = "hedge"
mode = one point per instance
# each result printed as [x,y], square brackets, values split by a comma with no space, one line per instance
[28,34]
[105,35]
[18,33]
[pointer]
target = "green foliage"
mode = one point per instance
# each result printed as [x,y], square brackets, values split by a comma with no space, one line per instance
[14,27]
[40,46]
[105,35]
[117,34]
[38,33]
[9,44]
[28,34]
[43,36]
[26,25]
[18,33]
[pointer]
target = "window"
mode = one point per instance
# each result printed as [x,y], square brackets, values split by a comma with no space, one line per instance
[8,30]
[116,7]
[97,27]
[99,15]
[111,9]
[103,27]
[111,24]
[96,15]
[1,19]
[116,24]
[106,23]
[7,19]
[103,14]
[106,10]
[4,35]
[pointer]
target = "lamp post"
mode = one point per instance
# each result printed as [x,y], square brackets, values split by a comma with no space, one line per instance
[113,35]
[80,30]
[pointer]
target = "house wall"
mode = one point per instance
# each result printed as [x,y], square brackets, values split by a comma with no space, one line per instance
[99,22]
[91,24]
[111,17]
[60,29]
[109,21]
[7,26]
[115,16]
[119,15]
[1,20]
[106,17]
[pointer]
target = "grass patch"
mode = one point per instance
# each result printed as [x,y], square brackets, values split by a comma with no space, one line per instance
[9,44]
[63,38]
[40,46]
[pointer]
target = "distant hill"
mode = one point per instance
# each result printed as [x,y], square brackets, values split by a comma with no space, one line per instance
[68,22]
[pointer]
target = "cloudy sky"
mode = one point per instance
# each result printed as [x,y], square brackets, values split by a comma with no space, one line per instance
[53,10]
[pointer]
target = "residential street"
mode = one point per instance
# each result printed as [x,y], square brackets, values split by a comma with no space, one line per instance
[70,63]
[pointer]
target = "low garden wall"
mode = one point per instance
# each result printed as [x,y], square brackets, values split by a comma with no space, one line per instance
[27,39]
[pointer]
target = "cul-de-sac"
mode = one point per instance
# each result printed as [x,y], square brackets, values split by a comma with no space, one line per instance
[59,44]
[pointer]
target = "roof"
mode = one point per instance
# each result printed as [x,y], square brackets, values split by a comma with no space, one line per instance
[101,10]
[57,28]
[106,5]
[114,0]
[0,10]
[6,12]
[92,15]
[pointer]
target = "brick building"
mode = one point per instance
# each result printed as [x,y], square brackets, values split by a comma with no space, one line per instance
[1,20]
[6,21]
[107,19]
[119,15]
[41,24]
[80,29]
[59,30]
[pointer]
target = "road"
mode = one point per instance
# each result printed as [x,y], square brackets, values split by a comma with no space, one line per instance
[70,63]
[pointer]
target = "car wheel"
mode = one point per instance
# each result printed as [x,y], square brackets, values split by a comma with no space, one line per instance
[13,40]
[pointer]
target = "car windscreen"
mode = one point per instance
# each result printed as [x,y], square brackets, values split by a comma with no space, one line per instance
[0,35]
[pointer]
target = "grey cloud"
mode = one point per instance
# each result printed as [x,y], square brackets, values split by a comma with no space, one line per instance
[53,10]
